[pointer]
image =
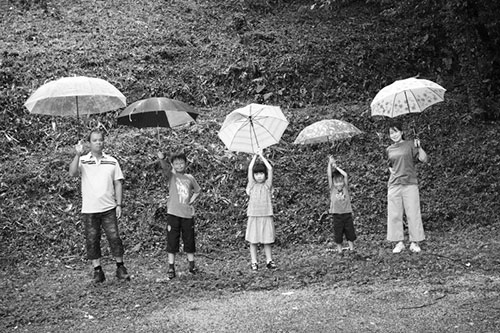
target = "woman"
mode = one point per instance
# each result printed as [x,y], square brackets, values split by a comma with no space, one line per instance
[402,194]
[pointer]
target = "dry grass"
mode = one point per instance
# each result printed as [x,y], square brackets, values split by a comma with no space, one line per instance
[450,287]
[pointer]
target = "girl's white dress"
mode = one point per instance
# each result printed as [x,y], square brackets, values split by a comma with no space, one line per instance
[260,226]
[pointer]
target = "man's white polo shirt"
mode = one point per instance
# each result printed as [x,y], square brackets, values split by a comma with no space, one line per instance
[98,190]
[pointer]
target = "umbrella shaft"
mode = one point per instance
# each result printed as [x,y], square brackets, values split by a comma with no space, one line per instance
[254,133]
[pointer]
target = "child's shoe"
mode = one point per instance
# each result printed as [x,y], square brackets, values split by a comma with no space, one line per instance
[193,270]
[170,273]
[254,266]
[271,265]
[415,248]
[122,274]
[99,276]
[399,247]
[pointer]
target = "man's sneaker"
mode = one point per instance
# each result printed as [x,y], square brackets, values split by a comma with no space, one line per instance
[193,270]
[122,274]
[254,266]
[415,248]
[271,265]
[170,273]
[99,276]
[398,248]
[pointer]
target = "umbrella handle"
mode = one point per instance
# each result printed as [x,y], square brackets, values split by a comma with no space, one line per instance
[415,133]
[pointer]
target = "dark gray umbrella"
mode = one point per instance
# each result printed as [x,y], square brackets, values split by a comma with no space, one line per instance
[157,112]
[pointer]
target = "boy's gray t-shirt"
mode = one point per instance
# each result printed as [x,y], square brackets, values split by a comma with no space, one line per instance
[181,189]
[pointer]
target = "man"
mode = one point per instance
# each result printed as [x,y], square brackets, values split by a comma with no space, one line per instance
[101,202]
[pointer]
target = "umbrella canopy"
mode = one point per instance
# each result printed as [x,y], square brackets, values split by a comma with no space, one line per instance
[157,112]
[406,96]
[253,127]
[329,130]
[74,96]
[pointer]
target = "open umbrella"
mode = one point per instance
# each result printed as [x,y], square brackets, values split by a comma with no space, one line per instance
[75,96]
[157,112]
[329,130]
[406,96]
[253,127]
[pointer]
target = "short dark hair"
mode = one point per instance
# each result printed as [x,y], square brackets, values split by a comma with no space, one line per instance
[260,167]
[397,124]
[98,131]
[179,155]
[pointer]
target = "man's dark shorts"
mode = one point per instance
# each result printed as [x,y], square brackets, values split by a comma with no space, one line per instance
[177,226]
[343,225]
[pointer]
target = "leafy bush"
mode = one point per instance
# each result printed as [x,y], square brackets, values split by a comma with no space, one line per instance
[294,62]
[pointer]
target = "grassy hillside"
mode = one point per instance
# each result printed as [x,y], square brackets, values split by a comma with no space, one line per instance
[219,55]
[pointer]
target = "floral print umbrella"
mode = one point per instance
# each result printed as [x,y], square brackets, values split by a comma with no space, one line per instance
[329,130]
[411,95]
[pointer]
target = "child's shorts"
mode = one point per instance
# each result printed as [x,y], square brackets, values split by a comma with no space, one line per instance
[343,225]
[177,226]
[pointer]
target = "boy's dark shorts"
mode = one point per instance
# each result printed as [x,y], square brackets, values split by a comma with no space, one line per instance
[343,225]
[177,226]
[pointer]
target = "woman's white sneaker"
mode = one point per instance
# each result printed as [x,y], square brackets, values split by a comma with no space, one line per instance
[398,248]
[415,248]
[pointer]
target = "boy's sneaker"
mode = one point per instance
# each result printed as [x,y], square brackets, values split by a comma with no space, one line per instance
[170,273]
[193,270]
[99,276]
[399,247]
[271,265]
[415,248]
[254,266]
[122,274]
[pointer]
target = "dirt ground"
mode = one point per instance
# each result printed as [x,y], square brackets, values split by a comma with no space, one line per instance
[393,307]
[61,298]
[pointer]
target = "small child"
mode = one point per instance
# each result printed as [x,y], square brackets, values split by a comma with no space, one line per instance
[340,205]
[260,226]
[183,192]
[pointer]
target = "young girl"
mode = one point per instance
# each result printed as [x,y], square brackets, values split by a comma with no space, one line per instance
[260,226]
[340,205]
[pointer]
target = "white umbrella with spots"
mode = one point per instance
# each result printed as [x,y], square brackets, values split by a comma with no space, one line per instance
[411,95]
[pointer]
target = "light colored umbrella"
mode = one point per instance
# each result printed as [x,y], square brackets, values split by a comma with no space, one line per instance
[406,96]
[253,127]
[157,112]
[329,130]
[75,96]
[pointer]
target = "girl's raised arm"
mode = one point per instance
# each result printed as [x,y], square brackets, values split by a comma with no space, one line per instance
[250,167]
[329,171]
[344,174]
[268,166]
